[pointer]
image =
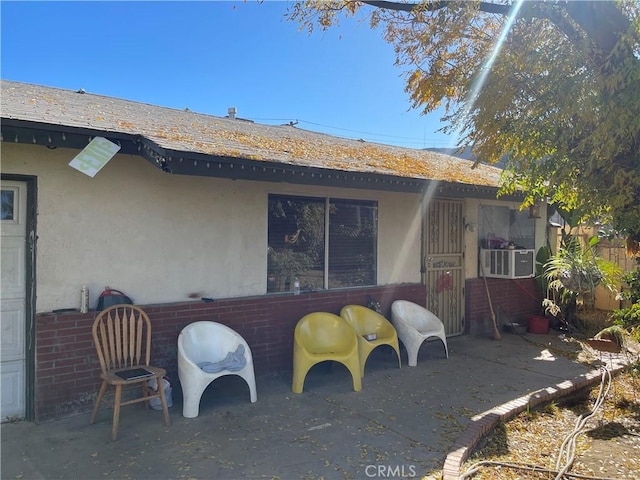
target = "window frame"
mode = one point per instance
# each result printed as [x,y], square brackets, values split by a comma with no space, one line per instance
[327,202]
[499,225]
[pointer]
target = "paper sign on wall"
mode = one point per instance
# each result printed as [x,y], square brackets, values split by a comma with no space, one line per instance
[94,156]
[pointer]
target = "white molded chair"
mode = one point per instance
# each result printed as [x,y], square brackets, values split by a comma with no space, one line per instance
[210,342]
[414,325]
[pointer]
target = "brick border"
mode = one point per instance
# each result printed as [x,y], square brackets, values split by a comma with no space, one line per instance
[486,421]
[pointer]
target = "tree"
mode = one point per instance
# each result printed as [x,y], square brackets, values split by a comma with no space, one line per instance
[552,86]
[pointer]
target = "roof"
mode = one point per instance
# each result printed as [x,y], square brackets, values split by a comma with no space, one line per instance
[169,136]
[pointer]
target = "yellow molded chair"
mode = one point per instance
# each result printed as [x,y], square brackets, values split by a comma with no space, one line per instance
[366,322]
[322,336]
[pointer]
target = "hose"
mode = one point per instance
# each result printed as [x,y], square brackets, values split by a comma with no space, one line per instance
[567,449]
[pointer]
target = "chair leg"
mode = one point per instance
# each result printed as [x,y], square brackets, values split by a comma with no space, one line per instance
[163,401]
[396,347]
[363,355]
[116,412]
[354,369]
[145,394]
[412,353]
[299,374]
[446,349]
[250,378]
[191,396]
[103,388]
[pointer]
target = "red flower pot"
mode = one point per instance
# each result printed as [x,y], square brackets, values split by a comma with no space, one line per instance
[537,324]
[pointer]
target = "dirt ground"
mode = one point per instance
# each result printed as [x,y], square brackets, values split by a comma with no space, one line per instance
[605,425]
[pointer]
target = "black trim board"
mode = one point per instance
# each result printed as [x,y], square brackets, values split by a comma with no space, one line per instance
[199,164]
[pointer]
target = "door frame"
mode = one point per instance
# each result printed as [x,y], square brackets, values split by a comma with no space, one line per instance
[458,326]
[30,289]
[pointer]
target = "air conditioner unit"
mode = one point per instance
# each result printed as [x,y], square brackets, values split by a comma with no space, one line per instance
[508,263]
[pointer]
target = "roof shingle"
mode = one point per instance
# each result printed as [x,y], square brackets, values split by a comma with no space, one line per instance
[190,132]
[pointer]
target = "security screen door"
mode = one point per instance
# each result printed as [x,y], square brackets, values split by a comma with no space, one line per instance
[443,262]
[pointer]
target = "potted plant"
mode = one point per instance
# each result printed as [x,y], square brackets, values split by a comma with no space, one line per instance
[610,339]
[578,269]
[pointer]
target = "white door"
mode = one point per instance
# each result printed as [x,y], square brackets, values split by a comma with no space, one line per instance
[13,299]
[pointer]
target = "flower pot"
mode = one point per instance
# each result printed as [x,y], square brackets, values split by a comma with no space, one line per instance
[537,324]
[604,345]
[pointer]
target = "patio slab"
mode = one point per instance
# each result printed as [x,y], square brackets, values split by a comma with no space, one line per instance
[403,423]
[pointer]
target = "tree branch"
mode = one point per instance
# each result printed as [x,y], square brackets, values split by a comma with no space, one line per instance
[486,7]
[602,22]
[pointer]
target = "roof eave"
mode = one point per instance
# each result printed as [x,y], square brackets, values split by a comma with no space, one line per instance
[236,168]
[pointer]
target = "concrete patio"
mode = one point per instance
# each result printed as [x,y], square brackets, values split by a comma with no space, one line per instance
[404,423]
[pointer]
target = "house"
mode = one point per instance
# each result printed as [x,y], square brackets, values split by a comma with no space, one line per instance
[201,217]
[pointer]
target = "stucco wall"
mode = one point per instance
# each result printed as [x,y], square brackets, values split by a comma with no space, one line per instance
[161,237]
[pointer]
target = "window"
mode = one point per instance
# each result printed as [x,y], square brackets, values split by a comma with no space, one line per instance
[324,243]
[8,204]
[500,225]
[353,235]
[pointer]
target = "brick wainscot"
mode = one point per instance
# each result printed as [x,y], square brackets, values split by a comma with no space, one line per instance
[67,368]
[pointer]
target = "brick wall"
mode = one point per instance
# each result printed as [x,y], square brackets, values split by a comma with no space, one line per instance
[512,301]
[67,368]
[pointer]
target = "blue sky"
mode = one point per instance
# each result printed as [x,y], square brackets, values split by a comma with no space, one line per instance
[208,56]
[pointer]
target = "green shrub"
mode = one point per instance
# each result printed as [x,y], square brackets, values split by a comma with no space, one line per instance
[627,317]
[632,279]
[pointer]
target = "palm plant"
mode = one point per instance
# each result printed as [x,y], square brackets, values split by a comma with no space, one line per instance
[577,270]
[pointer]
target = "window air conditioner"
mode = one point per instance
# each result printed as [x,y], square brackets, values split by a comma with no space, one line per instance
[508,263]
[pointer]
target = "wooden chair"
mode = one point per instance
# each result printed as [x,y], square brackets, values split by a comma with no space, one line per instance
[122,336]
